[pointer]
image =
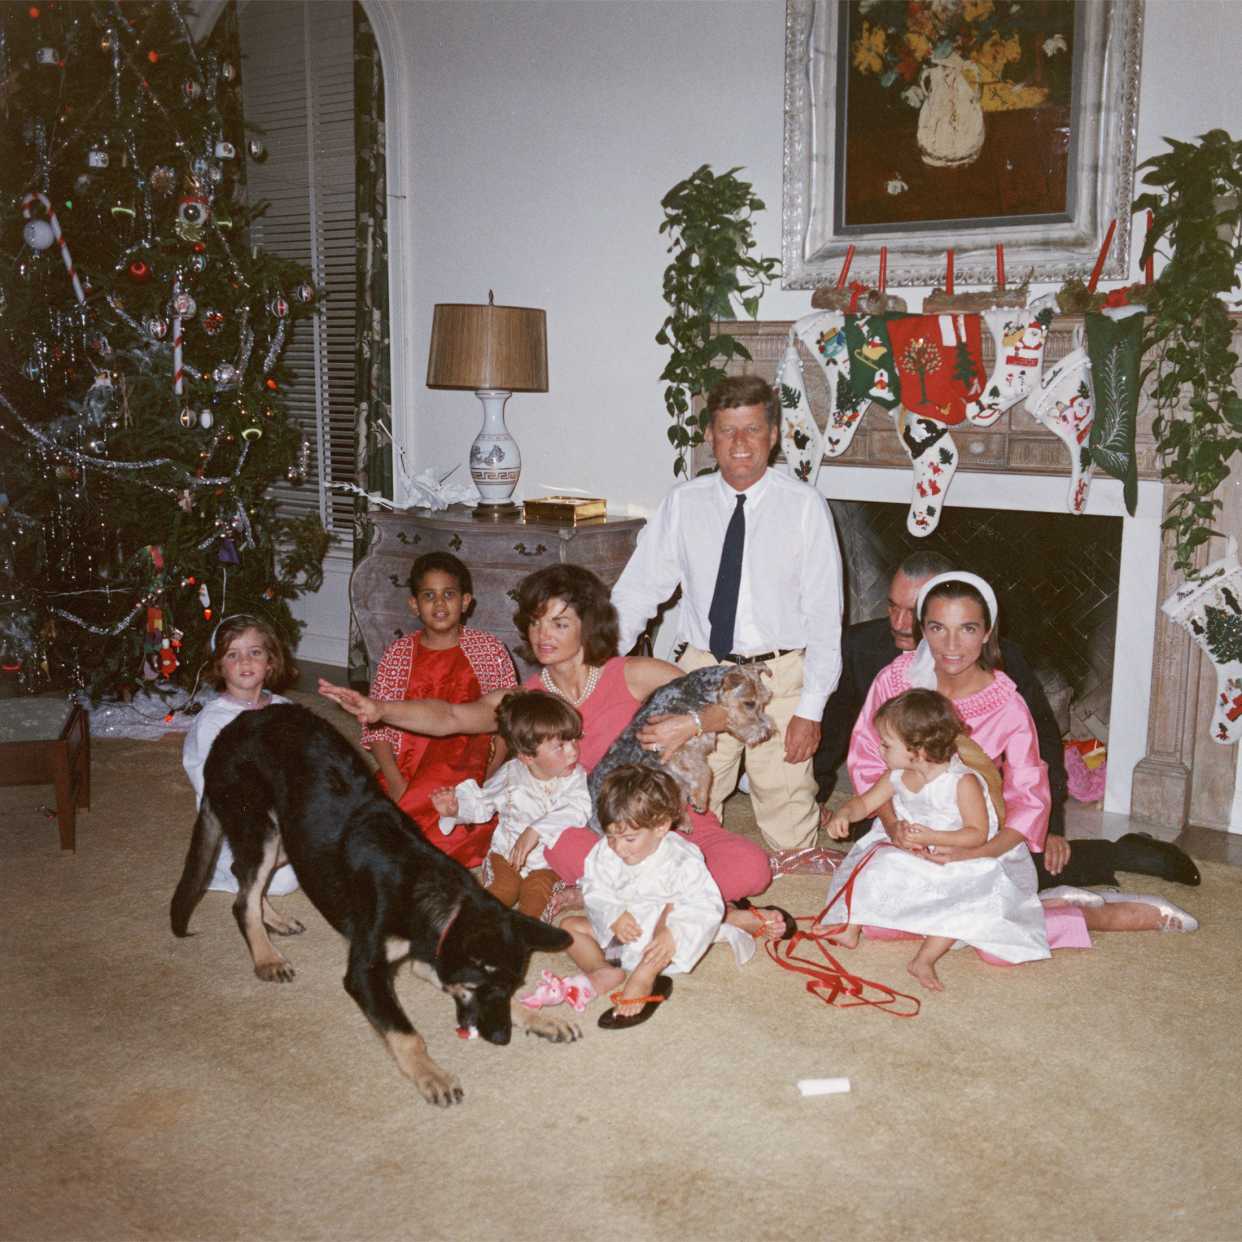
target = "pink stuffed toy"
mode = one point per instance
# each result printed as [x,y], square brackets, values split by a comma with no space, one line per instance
[576,990]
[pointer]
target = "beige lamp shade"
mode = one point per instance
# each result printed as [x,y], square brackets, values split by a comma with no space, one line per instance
[502,347]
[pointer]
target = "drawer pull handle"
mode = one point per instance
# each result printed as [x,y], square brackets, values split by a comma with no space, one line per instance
[520,549]
[407,539]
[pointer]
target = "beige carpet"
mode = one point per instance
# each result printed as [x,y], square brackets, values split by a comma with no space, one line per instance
[153,1088]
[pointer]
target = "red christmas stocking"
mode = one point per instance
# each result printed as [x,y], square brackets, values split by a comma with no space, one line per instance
[939,360]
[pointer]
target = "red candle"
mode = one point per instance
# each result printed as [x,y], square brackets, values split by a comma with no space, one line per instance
[948,276]
[845,269]
[1149,273]
[880,284]
[1099,263]
[1000,265]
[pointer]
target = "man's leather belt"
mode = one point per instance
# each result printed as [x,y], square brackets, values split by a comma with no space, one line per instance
[758,659]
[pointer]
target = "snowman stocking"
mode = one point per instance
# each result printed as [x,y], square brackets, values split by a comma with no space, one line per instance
[800,439]
[1210,608]
[1064,406]
[934,458]
[824,338]
[1020,337]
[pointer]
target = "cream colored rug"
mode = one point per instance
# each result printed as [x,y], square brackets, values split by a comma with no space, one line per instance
[155,1089]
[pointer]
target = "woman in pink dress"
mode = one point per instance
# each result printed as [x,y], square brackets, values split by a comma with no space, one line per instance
[960,656]
[571,629]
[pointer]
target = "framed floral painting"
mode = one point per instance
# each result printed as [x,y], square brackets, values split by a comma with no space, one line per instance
[928,125]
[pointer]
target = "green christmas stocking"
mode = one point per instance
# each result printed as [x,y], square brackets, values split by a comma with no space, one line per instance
[1210,609]
[1115,346]
[873,373]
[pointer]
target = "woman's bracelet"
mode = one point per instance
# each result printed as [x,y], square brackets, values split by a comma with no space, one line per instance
[698,721]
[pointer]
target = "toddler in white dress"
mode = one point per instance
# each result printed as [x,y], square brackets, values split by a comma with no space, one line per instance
[652,907]
[989,903]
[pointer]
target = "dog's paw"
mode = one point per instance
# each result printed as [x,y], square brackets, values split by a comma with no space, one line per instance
[285,926]
[437,1086]
[278,971]
[549,1026]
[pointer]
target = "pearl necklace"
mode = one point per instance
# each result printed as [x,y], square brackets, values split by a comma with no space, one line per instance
[592,681]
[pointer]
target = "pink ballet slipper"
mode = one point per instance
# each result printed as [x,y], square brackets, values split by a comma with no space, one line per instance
[550,992]
[579,990]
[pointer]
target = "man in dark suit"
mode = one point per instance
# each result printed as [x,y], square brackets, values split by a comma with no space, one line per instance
[870,646]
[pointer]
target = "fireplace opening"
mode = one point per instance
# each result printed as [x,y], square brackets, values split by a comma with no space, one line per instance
[1055,575]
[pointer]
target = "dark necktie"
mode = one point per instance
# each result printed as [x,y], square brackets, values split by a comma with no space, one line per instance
[723,611]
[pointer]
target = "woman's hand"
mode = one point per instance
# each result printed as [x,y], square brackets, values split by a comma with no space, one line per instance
[367,710]
[667,734]
[1056,854]
[522,848]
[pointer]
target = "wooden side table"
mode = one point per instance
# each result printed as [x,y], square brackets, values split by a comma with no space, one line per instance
[48,740]
[498,554]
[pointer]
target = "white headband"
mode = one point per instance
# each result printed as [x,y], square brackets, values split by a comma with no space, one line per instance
[954,575]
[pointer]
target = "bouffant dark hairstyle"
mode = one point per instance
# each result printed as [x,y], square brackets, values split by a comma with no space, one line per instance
[925,721]
[280,668]
[636,796]
[526,719]
[446,563]
[585,594]
[990,657]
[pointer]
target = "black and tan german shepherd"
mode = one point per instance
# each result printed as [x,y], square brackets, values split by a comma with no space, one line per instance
[283,783]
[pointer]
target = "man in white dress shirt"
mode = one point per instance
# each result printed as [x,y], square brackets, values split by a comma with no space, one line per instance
[787,593]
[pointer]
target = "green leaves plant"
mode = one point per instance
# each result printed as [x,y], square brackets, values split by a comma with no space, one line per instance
[708,218]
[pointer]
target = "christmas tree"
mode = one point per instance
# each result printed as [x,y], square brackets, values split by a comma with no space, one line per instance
[141,419]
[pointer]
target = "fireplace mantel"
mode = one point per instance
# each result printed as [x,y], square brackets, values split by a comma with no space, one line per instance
[1183,776]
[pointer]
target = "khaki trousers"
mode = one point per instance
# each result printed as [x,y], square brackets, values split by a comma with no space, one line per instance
[783,794]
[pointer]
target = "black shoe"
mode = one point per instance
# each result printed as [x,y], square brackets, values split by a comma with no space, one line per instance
[1144,855]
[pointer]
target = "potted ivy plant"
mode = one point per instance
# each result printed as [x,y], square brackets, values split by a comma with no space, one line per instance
[1198,423]
[708,218]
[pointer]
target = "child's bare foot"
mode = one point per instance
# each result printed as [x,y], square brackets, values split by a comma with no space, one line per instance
[925,973]
[844,937]
[566,899]
[761,922]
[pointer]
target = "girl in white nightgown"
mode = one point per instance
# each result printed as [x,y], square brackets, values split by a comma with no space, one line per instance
[989,903]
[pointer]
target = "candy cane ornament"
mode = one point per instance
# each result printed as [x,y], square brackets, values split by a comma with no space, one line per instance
[178,369]
[57,233]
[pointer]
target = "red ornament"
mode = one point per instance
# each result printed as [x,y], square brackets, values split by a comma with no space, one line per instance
[139,272]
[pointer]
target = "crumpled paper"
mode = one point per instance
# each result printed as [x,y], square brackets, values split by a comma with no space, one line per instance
[427,489]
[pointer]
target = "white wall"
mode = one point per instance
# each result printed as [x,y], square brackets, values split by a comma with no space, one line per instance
[532,142]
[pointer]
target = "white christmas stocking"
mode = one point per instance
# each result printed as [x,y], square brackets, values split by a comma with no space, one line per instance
[801,441]
[824,337]
[1210,608]
[934,458]
[1020,337]
[1065,406]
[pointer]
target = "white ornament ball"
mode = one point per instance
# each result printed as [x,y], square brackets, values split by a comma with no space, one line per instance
[205,419]
[187,417]
[38,234]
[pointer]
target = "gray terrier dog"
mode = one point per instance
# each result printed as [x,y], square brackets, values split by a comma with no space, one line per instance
[738,690]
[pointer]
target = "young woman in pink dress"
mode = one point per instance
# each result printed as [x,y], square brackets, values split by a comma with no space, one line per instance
[960,656]
[571,630]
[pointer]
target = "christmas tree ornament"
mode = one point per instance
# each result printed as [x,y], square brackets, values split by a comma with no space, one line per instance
[122,213]
[304,293]
[1209,608]
[225,151]
[191,89]
[47,56]
[183,305]
[228,71]
[32,369]
[95,158]
[205,419]
[213,321]
[38,234]
[138,272]
[258,151]
[221,218]
[253,430]
[57,235]
[168,659]
[157,327]
[198,262]
[163,179]
[279,307]
[187,417]
[192,215]
[225,374]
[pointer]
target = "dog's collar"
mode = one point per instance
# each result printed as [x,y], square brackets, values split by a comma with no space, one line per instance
[445,932]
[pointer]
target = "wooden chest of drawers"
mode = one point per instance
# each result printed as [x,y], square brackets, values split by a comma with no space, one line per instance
[499,555]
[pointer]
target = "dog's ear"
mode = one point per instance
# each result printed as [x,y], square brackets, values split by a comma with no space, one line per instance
[536,935]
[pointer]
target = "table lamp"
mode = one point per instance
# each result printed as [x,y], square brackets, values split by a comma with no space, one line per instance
[496,351]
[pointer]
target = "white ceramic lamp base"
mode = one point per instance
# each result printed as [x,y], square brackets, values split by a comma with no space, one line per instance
[495,462]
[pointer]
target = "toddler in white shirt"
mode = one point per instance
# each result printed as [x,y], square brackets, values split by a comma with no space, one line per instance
[538,793]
